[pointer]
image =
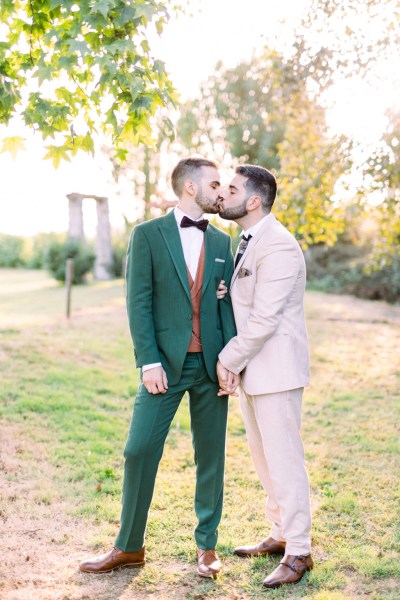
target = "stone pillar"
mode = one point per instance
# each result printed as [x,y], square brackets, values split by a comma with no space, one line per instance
[75,230]
[103,267]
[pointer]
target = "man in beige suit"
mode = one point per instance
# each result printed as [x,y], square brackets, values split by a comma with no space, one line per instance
[270,352]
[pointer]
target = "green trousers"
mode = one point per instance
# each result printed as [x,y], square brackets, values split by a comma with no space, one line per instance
[151,420]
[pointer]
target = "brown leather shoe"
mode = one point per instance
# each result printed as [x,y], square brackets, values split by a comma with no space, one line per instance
[290,570]
[113,559]
[267,546]
[208,563]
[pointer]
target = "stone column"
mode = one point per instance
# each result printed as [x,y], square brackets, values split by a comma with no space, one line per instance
[103,267]
[75,230]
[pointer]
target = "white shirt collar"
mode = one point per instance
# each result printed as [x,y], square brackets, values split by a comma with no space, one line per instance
[179,214]
[255,228]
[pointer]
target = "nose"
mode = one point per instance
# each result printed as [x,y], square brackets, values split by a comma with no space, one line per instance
[221,195]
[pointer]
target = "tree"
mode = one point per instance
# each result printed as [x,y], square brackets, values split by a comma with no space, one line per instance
[233,112]
[312,167]
[259,112]
[345,38]
[143,169]
[348,38]
[383,170]
[74,69]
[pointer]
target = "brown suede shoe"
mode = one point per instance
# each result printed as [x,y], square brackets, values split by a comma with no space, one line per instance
[267,546]
[113,559]
[290,570]
[208,563]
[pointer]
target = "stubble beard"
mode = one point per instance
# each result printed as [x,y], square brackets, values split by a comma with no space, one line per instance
[234,212]
[206,204]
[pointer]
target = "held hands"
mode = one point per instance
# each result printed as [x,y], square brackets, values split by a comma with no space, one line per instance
[228,381]
[222,290]
[155,380]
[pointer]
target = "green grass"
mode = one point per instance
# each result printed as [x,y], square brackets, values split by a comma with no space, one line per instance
[70,386]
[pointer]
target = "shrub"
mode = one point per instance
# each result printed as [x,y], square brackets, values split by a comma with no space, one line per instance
[57,254]
[12,250]
[344,269]
[119,260]
[382,284]
[39,247]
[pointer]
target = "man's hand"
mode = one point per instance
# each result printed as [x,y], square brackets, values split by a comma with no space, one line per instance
[222,290]
[155,380]
[228,381]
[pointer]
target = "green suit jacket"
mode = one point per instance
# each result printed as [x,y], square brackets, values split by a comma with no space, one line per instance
[158,296]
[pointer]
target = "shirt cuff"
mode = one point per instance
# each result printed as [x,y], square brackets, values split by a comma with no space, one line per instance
[152,366]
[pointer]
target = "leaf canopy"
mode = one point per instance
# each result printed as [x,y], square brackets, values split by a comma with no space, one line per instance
[72,69]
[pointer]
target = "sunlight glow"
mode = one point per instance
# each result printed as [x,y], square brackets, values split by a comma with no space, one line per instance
[33,193]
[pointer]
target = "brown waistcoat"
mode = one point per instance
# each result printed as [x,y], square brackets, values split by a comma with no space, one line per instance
[195,293]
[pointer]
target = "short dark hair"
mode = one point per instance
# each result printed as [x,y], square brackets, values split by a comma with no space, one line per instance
[188,168]
[261,182]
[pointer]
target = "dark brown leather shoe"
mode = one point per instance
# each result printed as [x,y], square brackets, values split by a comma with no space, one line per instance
[267,546]
[290,570]
[208,563]
[113,559]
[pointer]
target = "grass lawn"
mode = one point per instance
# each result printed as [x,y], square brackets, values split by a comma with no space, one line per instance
[66,395]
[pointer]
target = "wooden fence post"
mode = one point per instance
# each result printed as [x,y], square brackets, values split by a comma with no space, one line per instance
[69,275]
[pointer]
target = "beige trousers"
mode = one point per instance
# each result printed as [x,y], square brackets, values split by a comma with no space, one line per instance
[273,424]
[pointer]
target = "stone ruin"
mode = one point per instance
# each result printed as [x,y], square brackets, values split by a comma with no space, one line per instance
[103,266]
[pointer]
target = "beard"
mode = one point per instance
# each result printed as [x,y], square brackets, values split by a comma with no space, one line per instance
[207,205]
[234,212]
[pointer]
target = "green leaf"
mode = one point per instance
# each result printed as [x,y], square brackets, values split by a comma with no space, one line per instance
[112,119]
[145,46]
[13,145]
[84,142]
[102,6]
[43,73]
[121,154]
[78,46]
[63,93]
[124,16]
[57,154]
[66,62]
[6,8]
[56,3]
[146,11]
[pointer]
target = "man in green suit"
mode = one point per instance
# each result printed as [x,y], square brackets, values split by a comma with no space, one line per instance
[178,327]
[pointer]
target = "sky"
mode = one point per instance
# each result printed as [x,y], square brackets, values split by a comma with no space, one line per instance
[33,193]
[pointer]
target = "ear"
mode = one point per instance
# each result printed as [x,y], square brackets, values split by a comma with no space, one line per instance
[253,202]
[190,187]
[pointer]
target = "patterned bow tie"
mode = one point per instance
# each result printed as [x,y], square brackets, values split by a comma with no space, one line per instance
[242,248]
[202,224]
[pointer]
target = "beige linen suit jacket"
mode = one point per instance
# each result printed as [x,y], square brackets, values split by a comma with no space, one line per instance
[270,349]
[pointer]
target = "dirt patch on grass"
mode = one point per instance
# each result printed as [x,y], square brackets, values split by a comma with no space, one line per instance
[42,544]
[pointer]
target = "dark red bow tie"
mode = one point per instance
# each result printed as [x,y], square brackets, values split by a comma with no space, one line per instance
[202,224]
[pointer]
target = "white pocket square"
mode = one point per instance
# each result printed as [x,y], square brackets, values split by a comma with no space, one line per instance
[219,260]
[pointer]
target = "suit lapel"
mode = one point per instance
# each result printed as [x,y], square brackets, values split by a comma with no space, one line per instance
[254,241]
[210,249]
[170,233]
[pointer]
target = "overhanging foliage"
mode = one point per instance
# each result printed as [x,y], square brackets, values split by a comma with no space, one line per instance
[72,69]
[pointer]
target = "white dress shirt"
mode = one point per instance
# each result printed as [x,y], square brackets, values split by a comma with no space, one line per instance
[192,241]
[251,231]
[254,228]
